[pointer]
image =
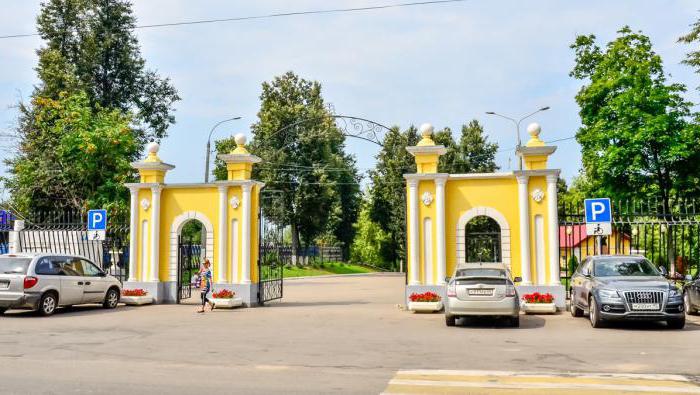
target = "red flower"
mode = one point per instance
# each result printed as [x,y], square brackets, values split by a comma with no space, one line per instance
[224,294]
[134,292]
[424,297]
[537,297]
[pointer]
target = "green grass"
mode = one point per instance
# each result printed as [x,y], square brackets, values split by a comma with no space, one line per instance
[326,269]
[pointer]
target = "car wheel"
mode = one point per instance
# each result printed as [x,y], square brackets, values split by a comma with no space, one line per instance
[688,307]
[575,311]
[111,299]
[676,323]
[594,314]
[450,320]
[48,304]
[515,322]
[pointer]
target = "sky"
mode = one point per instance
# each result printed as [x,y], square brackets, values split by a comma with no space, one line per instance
[443,64]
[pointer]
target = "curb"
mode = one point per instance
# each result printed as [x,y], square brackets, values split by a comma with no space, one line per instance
[390,274]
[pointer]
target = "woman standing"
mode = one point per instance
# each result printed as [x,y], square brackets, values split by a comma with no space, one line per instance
[205,285]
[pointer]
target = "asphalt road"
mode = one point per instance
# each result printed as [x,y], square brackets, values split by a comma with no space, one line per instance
[328,335]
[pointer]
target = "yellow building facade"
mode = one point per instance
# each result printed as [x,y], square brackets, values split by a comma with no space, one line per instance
[522,203]
[227,211]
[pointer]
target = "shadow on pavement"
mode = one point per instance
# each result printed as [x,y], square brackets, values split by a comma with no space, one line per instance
[526,322]
[321,303]
[649,326]
[66,311]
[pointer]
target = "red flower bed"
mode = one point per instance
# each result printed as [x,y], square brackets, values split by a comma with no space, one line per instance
[537,297]
[425,297]
[134,292]
[224,294]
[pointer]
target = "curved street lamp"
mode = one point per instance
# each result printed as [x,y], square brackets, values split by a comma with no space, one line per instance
[517,128]
[206,166]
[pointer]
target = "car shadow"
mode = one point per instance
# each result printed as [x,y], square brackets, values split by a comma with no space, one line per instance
[526,322]
[81,310]
[649,326]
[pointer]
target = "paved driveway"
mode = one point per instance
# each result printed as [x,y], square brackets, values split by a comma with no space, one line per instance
[342,335]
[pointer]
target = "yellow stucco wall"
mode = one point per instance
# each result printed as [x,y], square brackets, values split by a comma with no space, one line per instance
[426,211]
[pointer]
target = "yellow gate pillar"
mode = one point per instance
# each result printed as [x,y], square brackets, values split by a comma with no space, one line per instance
[522,205]
[226,210]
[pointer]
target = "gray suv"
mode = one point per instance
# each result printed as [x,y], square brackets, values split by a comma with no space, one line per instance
[625,287]
[44,282]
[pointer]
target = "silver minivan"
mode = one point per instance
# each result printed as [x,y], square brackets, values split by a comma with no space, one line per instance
[44,281]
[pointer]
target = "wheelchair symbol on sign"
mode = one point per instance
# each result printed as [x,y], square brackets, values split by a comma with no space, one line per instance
[598,230]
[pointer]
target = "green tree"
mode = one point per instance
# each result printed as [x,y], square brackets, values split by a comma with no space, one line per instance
[315,182]
[369,240]
[447,161]
[474,153]
[72,156]
[90,45]
[388,191]
[635,137]
[692,59]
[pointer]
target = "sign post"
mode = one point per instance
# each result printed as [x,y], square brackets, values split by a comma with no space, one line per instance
[97,225]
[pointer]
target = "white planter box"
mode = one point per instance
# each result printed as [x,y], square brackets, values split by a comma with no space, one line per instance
[539,308]
[227,303]
[425,307]
[136,300]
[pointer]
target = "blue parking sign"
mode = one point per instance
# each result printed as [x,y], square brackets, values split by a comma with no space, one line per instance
[598,210]
[97,220]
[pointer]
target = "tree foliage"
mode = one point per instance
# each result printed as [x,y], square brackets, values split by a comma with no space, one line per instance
[692,59]
[635,137]
[474,153]
[369,240]
[312,183]
[72,156]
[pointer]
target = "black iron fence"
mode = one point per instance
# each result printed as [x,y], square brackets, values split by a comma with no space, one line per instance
[66,232]
[667,236]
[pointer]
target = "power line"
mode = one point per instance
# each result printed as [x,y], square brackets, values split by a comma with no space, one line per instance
[275,15]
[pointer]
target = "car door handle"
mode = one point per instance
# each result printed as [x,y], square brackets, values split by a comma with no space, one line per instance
[87,283]
[80,283]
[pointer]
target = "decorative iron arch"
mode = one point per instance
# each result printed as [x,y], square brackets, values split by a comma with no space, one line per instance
[349,126]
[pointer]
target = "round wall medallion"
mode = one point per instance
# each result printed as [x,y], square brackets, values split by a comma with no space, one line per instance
[234,202]
[427,198]
[145,204]
[538,195]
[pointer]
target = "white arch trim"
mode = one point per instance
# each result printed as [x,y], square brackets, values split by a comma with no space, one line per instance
[175,230]
[496,216]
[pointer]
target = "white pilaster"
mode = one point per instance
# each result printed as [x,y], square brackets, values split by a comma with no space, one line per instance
[155,232]
[133,232]
[440,227]
[553,227]
[524,211]
[245,233]
[222,243]
[414,268]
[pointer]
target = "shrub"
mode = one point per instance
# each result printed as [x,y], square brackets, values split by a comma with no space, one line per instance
[134,292]
[425,297]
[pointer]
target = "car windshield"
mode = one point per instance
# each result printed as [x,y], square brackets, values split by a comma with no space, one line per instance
[624,267]
[461,273]
[10,265]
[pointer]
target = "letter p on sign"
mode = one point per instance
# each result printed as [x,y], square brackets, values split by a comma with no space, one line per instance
[598,210]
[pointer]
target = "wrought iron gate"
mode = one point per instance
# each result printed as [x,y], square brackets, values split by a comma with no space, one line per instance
[189,259]
[272,256]
[668,237]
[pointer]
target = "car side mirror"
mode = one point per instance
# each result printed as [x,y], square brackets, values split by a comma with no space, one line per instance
[663,271]
[688,277]
[101,274]
[517,279]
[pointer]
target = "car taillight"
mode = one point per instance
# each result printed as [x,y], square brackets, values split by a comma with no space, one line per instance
[510,290]
[30,281]
[452,289]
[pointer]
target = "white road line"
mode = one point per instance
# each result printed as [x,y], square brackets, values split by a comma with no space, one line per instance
[501,373]
[568,386]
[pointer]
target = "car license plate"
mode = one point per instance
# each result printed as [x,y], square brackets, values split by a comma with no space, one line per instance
[4,283]
[645,306]
[480,292]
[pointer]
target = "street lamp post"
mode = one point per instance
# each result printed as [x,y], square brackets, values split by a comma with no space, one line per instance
[206,166]
[517,128]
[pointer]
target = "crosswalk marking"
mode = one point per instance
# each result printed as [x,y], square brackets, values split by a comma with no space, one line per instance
[503,382]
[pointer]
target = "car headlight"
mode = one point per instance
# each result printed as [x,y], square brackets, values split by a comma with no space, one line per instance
[674,292]
[608,294]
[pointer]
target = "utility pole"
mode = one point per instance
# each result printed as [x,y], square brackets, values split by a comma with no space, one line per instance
[206,165]
[517,128]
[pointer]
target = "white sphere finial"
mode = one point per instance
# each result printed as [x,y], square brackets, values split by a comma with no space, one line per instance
[426,130]
[534,129]
[240,139]
[153,147]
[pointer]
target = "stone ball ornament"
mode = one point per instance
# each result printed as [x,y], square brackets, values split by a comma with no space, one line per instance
[534,129]
[153,147]
[240,139]
[426,130]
